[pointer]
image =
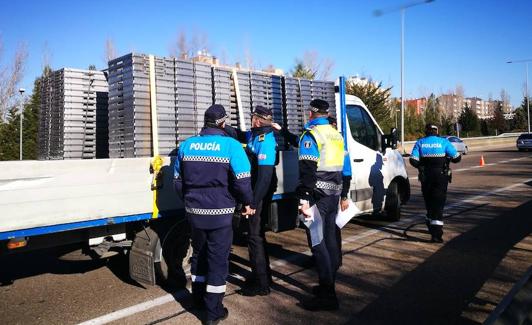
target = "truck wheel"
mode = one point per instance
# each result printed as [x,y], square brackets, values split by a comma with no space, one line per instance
[393,203]
[466,150]
[175,258]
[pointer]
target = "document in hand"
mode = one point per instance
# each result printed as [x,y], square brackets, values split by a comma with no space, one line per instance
[314,224]
[343,217]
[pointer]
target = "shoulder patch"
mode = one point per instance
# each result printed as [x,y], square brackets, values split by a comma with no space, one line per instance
[307,144]
[262,137]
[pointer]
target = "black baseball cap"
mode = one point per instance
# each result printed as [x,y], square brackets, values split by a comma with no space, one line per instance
[262,112]
[319,106]
[215,114]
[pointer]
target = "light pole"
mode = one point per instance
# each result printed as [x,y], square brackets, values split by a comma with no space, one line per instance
[402,9]
[21,91]
[526,87]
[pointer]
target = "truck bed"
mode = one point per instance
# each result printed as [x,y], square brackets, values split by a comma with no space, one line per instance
[83,193]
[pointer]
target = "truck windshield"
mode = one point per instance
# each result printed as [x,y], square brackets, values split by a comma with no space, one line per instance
[362,127]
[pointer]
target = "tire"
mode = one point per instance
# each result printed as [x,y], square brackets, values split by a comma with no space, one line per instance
[175,257]
[466,150]
[392,206]
[520,149]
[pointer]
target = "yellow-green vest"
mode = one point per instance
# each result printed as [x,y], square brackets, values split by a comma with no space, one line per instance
[331,148]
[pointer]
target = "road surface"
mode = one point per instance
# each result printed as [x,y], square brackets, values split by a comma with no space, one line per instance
[391,274]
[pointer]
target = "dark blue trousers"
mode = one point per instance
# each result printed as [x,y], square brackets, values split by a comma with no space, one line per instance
[327,254]
[210,267]
[434,189]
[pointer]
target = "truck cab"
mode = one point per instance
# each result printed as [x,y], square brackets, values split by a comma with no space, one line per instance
[380,181]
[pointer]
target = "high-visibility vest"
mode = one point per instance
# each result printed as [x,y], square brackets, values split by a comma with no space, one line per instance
[331,148]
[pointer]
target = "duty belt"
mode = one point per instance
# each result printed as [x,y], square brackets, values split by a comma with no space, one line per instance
[328,186]
[211,212]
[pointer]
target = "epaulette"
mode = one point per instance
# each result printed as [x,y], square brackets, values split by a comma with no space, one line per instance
[262,137]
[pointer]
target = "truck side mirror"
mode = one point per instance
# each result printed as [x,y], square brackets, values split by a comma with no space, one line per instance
[390,140]
[394,138]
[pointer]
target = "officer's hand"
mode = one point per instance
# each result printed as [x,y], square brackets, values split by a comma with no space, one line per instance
[248,211]
[276,126]
[303,207]
[344,204]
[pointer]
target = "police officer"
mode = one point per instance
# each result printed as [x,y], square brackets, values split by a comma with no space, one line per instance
[431,155]
[324,175]
[209,170]
[262,150]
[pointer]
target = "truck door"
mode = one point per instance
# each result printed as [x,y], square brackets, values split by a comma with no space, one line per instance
[363,137]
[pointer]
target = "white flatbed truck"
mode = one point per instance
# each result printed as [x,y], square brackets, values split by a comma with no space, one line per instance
[106,206]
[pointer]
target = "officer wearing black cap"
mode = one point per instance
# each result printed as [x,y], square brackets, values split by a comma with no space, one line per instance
[431,155]
[324,175]
[212,173]
[262,150]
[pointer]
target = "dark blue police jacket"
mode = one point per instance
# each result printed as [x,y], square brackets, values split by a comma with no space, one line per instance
[213,172]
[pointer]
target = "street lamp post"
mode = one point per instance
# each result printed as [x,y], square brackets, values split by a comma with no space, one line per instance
[526,87]
[402,9]
[21,91]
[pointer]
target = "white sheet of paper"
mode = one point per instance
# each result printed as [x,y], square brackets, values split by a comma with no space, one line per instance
[343,217]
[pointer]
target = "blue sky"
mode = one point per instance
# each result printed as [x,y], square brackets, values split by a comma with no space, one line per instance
[447,42]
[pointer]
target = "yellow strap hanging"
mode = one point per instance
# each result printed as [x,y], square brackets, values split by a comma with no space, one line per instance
[156,183]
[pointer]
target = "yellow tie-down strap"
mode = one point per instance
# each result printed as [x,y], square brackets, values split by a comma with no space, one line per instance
[155,168]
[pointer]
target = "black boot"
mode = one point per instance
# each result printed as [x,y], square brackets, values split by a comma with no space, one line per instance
[436,239]
[324,300]
[198,292]
[217,320]
[254,290]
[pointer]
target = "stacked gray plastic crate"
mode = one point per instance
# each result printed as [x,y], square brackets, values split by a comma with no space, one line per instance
[184,90]
[244,87]
[298,93]
[324,90]
[71,100]
[184,83]
[224,92]
[45,111]
[295,109]
[129,107]
[166,104]
[203,92]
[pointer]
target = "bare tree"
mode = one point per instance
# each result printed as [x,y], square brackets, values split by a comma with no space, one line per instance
[180,47]
[46,59]
[311,61]
[110,50]
[248,57]
[505,98]
[10,77]
[199,42]
[183,46]
[315,66]
[224,56]
[326,69]
[459,90]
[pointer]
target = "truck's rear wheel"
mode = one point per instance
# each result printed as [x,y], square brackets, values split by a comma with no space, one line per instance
[175,257]
[393,202]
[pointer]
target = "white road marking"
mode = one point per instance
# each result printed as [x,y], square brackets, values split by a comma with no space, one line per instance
[122,313]
[135,309]
[475,167]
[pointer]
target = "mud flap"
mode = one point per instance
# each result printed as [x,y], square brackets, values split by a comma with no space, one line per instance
[145,251]
[282,215]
